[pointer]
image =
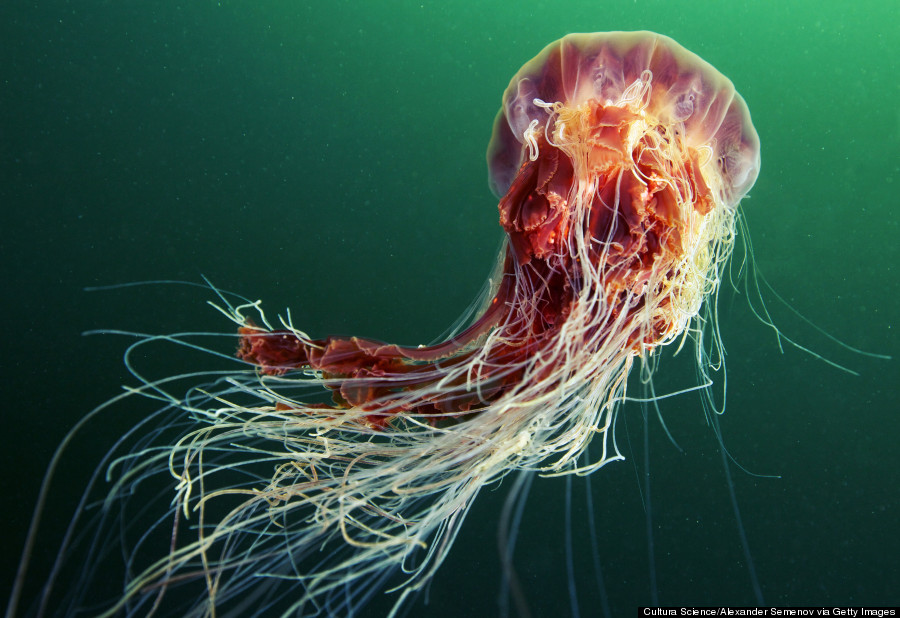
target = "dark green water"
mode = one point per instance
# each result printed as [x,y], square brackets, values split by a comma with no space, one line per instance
[330,158]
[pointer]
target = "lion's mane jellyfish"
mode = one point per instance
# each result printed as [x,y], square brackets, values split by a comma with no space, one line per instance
[619,160]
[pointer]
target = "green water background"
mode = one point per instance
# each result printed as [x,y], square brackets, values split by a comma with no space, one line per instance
[329,157]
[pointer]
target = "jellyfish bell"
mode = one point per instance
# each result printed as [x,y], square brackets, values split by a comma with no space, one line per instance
[619,160]
[684,94]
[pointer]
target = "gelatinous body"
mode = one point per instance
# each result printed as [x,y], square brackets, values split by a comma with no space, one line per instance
[619,160]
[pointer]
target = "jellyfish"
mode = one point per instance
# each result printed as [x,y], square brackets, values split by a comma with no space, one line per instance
[324,470]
